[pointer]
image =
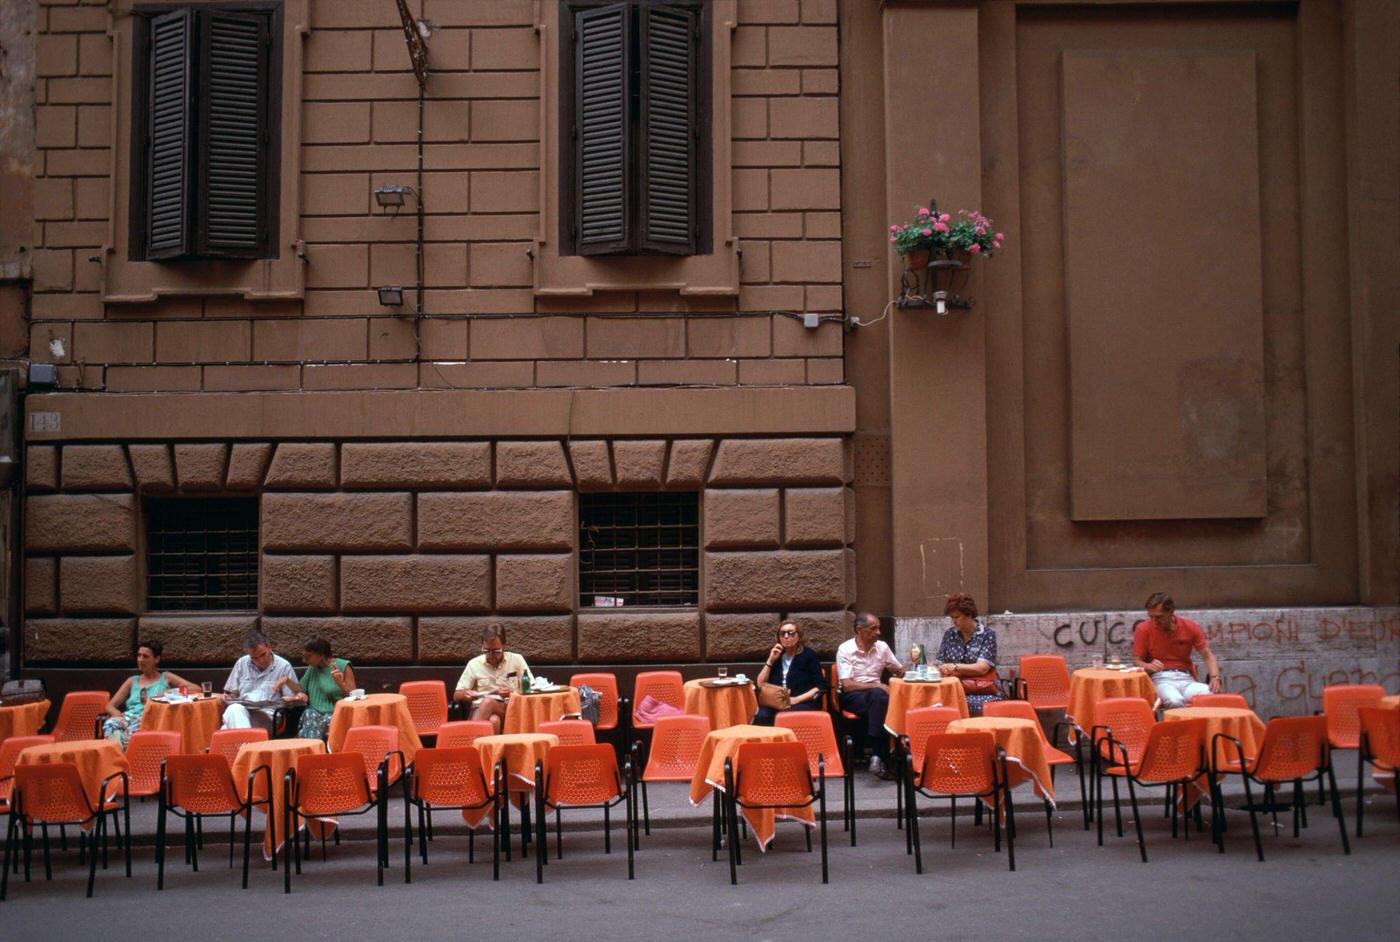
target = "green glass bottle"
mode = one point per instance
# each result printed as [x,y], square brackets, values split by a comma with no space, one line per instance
[524,682]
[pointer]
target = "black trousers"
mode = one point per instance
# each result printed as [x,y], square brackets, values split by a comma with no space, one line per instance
[871,703]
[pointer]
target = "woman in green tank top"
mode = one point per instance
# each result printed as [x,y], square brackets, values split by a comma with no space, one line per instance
[128,704]
[325,680]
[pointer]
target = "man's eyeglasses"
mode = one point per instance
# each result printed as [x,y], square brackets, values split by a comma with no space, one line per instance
[493,650]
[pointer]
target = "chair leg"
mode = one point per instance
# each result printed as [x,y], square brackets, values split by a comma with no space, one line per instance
[1337,808]
[1117,811]
[10,834]
[849,800]
[1253,820]
[1079,770]
[733,831]
[953,822]
[1010,830]
[100,827]
[714,825]
[247,840]
[160,842]
[607,830]
[825,877]
[1361,801]
[912,825]
[558,834]
[1049,824]
[1137,817]
[1297,800]
[48,861]
[646,811]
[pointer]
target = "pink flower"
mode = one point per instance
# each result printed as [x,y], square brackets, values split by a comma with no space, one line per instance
[923,210]
[940,226]
[926,231]
[999,236]
[996,245]
[981,230]
[892,238]
[974,248]
[894,228]
[944,217]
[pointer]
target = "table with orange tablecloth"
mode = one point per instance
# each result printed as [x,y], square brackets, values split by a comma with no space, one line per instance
[909,694]
[278,755]
[95,759]
[526,711]
[1089,685]
[22,719]
[520,752]
[730,704]
[1242,724]
[1025,749]
[195,721]
[1384,774]
[724,744]
[377,709]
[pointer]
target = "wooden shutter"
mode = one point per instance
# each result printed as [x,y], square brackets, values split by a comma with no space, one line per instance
[602,222]
[169,130]
[669,129]
[233,152]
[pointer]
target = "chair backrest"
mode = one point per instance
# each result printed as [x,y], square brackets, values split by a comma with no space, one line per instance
[1235,700]
[1047,680]
[1339,704]
[666,686]
[462,733]
[331,783]
[920,722]
[77,718]
[227,742]
[427,704]
[1175,751]
[9,753]
[581,775]
[570,732]
[51,792]
[201,782]
[1016,709]
[450,776]
[143,753]
[814,730]
[1382,728]
[1293,747]
[1130,719]
[606,685]
[675,747]
[959,763]
[373,743]
[772,774]
[833,697]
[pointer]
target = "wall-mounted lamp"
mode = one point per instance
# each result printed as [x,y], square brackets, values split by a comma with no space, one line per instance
[391,195]
[391,296]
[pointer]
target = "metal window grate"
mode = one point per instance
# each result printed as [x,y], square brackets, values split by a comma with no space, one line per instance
[643,549]
[202,554]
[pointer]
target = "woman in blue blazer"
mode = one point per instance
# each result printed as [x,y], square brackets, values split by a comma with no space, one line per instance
[793,665]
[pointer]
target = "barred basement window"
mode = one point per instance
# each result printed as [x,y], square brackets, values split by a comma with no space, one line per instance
[639,549]
[635,116]
[206,84]
[202,554]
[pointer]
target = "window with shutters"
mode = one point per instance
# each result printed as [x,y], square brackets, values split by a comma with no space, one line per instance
[205,87]
[635,128]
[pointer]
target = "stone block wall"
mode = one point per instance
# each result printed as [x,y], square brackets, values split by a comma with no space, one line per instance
[1279,659]
[400,552]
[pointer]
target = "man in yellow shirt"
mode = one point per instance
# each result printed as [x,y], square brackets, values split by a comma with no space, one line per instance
[491,677]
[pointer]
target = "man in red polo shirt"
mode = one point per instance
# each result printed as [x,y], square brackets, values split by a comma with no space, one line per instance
[1162,646]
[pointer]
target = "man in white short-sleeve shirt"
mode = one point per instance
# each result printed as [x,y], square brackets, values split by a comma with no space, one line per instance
[861,663]
[256,677]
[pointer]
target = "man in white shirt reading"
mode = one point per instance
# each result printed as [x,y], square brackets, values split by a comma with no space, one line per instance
[256,679]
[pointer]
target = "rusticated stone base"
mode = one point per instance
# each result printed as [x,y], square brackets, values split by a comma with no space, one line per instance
[401,552]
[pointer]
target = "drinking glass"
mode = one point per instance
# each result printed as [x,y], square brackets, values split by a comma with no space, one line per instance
[207,688]
[723,672]
[1097,661]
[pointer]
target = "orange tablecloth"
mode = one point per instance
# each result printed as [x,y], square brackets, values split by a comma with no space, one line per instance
[279,755]
[906,695]
[377,709]
[520,751]
[95,758]
[1025,750]
[194,721]
[526,711]
[1244,725]
[23,719]
[709,774]
[1088,685]
[730,705]
[1384,774]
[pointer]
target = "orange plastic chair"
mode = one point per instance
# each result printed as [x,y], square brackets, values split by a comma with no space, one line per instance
[9,754]
[1022,709]
[200,784]
[584,776]
[334,784]
[460,733]
[1235,700]
[961,765]
[847,723]
[427,704]
[81,715]
[227,742]
[1172,756]
[666,686]
[611,707]
[452,778]
[814,730]
[1128,719]
[1294,750]
[1044,680]
[675,750]
[570,732]
[1340,703]
[919,724]
[772,775]
[1380,745]
[144,753]
[54,794]
[379,747]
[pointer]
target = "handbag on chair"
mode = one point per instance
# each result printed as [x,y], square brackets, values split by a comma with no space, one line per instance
[982,683]
[774,697]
